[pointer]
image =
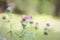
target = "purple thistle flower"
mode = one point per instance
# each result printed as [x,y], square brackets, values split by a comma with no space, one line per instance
[30,17]
[23,19]
[48,24]
[11,4]
[26,17]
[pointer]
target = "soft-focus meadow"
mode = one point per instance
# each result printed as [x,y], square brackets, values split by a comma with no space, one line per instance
[30,32]
[41,12]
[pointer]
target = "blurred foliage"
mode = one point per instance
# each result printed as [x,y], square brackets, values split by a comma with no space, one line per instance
[33,6]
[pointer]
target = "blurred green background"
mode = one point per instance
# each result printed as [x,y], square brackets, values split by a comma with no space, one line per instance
[35,6]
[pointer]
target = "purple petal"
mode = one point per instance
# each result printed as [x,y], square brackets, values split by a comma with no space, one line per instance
[30,17]
[10,4]
[25,17]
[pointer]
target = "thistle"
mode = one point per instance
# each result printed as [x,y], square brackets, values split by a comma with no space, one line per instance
[23,23]
[11,6]
[46,30]
[36,25]
[26,20]
[47,24]
[30,20]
